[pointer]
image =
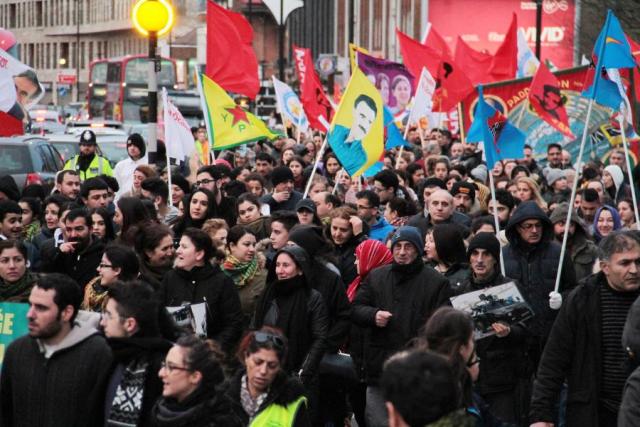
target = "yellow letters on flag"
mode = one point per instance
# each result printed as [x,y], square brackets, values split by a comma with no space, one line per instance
[357,130]
[228,123]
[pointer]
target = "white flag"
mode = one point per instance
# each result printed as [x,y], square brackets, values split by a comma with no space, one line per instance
[289,105]
[179,140]
[8,96]
[422,99]
[527,61]
[12,67]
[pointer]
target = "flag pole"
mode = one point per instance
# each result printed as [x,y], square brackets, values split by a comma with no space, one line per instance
[626,155]
[165,103]
[495,218]
[338,178]
[574,188]
[406,132]
[205,115]
[315,165]
[299,126]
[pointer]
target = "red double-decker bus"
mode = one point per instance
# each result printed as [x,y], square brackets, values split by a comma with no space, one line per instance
[118,87]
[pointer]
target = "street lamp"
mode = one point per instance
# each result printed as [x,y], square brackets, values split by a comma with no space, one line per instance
[153,19]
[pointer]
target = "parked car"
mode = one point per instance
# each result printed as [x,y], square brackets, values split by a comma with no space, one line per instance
[29,160]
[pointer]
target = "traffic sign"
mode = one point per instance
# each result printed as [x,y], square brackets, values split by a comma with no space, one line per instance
[68,79]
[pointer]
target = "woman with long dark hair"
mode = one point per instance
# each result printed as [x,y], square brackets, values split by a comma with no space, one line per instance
[102,226]
[445,252]
[129,216]
[192,393]
[154,246]
[249,215]
[198,207]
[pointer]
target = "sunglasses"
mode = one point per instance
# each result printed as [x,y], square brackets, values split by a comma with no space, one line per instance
[266,338]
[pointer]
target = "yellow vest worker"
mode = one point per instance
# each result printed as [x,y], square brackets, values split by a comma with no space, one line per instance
[88,164]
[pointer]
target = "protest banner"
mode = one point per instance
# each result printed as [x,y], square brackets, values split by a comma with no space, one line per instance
[13,324]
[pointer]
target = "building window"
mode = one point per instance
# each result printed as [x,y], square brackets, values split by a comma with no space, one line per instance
[83,56]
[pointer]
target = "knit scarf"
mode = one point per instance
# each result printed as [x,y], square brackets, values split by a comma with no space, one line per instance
[400,221]
[31,230]
[370,254]
[17,291]
[240,272]
[95,296]
[127,402]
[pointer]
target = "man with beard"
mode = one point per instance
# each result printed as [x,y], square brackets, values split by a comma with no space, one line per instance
[56,375]
[211,178]
[80,254]
[94,193]
[130,323]
[499,383]
[584,347]
[393,304]
[88,164]
[580,245]
[589,205]
[504,204]
[464,196]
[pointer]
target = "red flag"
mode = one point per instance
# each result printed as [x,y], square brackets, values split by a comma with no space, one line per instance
[473,63]
[436,42]
[315,102]
[9,125]
[231,61]
[453,85]
[416,55]
[635,51]
[547,100]
[505,60]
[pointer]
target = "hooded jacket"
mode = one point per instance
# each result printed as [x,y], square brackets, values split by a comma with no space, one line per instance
[582,249]
[61,385]
[620,189]
[535,267]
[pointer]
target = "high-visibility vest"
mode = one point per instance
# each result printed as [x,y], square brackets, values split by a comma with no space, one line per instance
[99,166]
[204,153]
[277,415]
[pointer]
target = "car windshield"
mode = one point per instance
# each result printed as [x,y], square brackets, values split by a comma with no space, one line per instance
[66,149]
[113,150]
[15,159]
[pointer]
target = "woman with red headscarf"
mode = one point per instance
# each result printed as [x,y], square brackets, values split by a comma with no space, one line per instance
[370,254]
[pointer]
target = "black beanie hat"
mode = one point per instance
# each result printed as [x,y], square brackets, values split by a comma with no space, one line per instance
[486,241]
[281,174]
[464,188]
[434,182]
[309,238]
[137,140]
[181,182]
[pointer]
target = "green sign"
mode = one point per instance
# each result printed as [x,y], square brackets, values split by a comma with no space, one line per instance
[13,324]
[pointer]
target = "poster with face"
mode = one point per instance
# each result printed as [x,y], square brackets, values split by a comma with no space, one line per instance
[393,81]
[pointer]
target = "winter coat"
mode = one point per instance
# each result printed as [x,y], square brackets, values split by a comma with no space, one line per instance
[210,285]
[80,267]
[410,295]
[287,205]
[502,358]
[283,391]
[457,275]
[629,414]
[202,408]
[535,267]
[261,227]
[572,354]
[346,257]
[66,389]
[128,351]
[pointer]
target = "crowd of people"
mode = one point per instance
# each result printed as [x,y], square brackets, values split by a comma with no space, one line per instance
[316,303]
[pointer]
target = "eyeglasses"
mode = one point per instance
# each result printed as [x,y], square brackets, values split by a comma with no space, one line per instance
[205,181]
[265,338]
[101,265]
[170,368]
[360,207]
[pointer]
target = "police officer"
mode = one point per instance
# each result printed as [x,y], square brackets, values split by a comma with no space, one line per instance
[88,164]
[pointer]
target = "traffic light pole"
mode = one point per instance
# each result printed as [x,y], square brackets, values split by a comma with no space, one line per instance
[152,117]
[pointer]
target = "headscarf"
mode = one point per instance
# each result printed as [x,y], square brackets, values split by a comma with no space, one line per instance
[617,223]
[370,254]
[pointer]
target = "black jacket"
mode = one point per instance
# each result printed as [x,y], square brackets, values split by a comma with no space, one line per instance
[629,415]
[80,267]
[346,257]
[573,352]
[410,296]
[502,358]
[535,267]
[210,285]
[287,205]
[283,391]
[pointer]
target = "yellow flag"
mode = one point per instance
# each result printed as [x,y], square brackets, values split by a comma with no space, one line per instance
[228,124]
[353,48]
[357,129]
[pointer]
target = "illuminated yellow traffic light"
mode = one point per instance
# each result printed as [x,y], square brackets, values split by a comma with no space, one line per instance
[153,16]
